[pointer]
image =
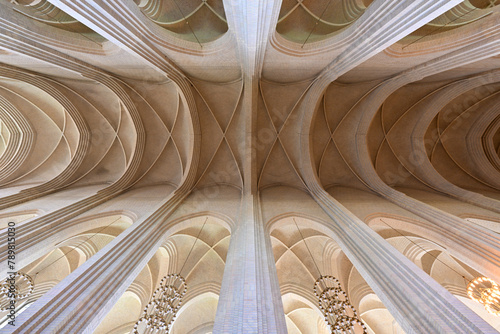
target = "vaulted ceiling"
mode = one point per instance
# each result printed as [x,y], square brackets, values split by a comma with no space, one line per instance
[385,97]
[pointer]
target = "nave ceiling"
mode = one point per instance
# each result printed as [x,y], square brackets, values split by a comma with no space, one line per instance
[389,107]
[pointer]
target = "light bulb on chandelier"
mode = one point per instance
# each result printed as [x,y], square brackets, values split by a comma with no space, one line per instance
[333,302]
[339,313]
[16,287]
[159,314]
[485,291]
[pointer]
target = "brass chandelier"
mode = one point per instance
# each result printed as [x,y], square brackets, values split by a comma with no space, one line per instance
[481,289]
[15,288]
[485,291]
[339,313]
[333,302]
[160,312]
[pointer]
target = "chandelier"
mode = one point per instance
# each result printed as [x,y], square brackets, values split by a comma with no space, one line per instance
[485,291]
[335,306]
[160,312]
[13,289]
[339,314]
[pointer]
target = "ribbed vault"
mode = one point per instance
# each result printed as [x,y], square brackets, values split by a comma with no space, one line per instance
[197,21]
[199,256]
[309,21]
[244,118]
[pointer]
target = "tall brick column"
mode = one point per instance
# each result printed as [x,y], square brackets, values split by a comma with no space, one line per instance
[250,300]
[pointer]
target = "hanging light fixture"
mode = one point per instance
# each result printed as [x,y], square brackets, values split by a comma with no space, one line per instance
[333,302]
[159,314]
[339,313]
[485,291]
[481,289]
[13,289]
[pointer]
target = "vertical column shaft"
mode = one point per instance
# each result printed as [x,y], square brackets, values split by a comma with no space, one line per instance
[417,302]
[250,300]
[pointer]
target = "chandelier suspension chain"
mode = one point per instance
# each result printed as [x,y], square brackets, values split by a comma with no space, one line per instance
[187,22]
[192,247]
[338,312]
[316,23]
[310,253]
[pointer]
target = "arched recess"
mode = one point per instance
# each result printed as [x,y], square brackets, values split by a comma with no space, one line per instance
[376,316]
[195,21]
[196,247]
[370,308]
[304,21]
[197,315]
[302,316]
[47,271]
[303,254]
[434,259]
